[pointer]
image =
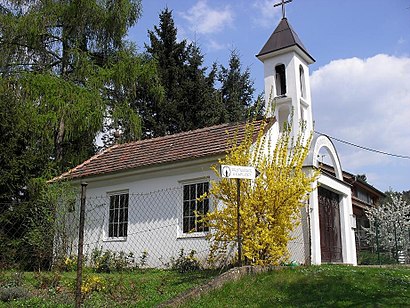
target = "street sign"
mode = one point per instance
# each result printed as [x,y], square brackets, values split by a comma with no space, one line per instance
[238,172]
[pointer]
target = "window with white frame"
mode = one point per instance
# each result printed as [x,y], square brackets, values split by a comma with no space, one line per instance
[193,209]
[118,215]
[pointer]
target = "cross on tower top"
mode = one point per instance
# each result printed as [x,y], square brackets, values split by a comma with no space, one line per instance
[283,3]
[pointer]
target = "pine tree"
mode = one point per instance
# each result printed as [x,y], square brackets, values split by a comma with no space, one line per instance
[170,56]
[190,98]
[236,91]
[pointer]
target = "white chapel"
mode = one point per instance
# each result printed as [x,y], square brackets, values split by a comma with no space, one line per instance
[143,194]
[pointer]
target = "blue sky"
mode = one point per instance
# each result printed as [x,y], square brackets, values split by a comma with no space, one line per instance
[360,81]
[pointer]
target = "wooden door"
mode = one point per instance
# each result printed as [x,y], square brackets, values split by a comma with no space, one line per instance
[329,217]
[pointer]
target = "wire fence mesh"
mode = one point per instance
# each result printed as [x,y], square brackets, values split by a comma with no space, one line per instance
[382,242]
[151,230]
[145,230]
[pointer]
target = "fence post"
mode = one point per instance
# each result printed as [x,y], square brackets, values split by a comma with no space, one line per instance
[78,297]
[377,241]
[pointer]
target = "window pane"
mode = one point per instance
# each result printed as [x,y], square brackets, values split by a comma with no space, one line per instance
[118,215]
[186,225]
[116,201]
[112,200]
[200,190]
[192,194]
[125,229]
[200,207]
[110,230]
[186,192]
[206,206]
[192,207]
[192,224]
[186,209]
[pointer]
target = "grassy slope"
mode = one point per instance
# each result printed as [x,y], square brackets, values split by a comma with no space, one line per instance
[145,288]
[324,286]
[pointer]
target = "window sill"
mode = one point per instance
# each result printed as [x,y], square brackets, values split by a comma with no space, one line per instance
[115,239]
[192,235]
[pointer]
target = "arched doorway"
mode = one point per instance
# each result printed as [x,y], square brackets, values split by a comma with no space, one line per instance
[330,214]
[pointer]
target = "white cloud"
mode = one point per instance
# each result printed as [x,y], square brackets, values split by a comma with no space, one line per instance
[214,45]
[267,13]
[204,19]
[366,102]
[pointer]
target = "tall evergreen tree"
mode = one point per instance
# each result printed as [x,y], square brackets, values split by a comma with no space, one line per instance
[189,90]
[199,105]
[171,57]
[236,91]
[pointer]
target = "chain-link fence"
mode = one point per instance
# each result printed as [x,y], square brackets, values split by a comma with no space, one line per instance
[383,242]
[155,229]
[147,230]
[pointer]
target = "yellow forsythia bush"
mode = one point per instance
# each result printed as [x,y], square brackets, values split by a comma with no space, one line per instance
[270,204]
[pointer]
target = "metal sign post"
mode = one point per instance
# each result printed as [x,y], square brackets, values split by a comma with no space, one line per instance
[238,173]
[238,221]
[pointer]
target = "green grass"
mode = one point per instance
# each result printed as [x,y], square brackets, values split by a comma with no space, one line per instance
[140,288]
[316,286]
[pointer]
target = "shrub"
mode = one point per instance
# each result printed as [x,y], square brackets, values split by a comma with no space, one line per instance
[108,261]
[185,263]
[48,280]
[93,283]
[371,258]
[13,293]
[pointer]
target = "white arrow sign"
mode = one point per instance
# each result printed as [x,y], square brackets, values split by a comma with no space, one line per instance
[238,172]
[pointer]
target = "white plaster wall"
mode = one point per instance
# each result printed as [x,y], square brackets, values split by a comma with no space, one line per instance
[298,247]
[155,219]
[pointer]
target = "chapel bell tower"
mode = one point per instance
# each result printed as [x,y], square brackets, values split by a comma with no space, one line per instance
[287,86]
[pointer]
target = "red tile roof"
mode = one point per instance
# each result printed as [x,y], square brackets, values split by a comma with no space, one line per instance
[188,145]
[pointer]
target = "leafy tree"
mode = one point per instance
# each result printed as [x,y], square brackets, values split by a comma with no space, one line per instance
[35,233]
[406,196]
[65,72]
[390,225]
[270,205]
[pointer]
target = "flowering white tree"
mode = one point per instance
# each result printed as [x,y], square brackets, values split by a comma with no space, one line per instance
[390,226]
